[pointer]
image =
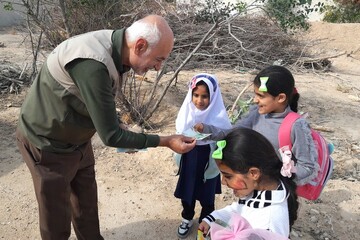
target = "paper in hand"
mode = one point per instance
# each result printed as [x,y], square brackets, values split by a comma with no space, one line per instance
[195,134]
[130,150]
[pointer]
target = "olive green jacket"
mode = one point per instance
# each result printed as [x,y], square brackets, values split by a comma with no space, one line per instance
[74,96]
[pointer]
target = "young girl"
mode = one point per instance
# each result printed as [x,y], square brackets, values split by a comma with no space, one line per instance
[275,97]
[199,177]
[250,166]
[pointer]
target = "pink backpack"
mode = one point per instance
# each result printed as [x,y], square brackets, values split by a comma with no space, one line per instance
[312,190]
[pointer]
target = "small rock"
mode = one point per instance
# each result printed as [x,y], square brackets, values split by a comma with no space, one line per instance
[294,233]
[314,211]
[313,219]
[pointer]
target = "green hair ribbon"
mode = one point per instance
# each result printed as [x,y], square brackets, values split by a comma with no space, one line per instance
[263,81]
[217,154]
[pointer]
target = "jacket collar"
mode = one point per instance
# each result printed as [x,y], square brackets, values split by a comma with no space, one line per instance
[118,41]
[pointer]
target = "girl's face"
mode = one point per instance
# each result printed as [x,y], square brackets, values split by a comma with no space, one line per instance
[200,97]
[242,184]
[268,103]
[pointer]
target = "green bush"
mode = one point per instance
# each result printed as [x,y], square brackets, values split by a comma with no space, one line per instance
[289,14]
[214,11]
[292,14]
[344,11]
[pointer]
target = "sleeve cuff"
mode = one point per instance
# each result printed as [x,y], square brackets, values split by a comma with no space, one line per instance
[152,140]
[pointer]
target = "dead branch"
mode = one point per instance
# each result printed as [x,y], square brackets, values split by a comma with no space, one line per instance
[322,129]
[238,97]
[319,59]
[12,77]
[320,63]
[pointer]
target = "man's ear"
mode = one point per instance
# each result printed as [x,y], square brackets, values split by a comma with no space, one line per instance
[281,97]
[141,46]
[254,173]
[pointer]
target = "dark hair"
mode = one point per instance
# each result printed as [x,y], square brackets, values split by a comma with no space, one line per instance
[201,83]
[280,81]
[246,148]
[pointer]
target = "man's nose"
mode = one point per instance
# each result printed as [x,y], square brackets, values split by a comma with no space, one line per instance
[158,66]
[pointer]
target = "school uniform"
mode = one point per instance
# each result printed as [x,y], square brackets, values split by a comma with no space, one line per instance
[266,209]
[199,177]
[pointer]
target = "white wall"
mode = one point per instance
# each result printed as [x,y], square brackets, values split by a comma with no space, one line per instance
[314,16]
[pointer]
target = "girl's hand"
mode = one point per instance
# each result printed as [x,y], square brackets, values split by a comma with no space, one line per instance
[204,227]
[199,127]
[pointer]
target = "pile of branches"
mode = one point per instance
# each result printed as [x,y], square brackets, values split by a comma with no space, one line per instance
[237,43]
[12,78]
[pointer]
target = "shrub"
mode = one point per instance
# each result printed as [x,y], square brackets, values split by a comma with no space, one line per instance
[344,11]
[292,14]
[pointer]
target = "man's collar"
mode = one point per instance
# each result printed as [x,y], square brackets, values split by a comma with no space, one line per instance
[118,41]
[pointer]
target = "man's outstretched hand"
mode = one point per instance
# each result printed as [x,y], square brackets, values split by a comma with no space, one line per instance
[178,143]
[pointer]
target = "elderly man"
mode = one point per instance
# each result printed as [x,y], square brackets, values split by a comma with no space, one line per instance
[70,100]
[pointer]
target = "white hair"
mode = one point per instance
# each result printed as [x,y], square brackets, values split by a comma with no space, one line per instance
[141,29]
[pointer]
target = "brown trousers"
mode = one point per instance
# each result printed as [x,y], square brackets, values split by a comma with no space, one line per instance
[65,189]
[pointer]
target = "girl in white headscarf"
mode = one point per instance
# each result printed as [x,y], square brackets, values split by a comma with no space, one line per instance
[199,177]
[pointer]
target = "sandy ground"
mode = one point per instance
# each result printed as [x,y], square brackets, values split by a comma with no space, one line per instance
[136,191]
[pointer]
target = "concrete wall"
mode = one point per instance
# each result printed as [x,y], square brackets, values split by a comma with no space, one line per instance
[314,16]
[10,18]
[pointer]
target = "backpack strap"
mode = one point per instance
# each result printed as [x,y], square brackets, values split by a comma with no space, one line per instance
[285,129]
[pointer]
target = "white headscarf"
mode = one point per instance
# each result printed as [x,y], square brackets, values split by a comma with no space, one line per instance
[215,114]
